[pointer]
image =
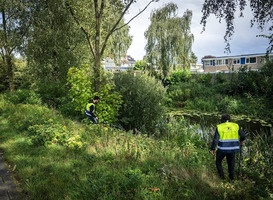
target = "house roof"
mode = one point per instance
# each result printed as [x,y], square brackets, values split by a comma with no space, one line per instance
[130,59]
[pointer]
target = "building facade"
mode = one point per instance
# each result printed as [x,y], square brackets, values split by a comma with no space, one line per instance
[126,63]
[229,63]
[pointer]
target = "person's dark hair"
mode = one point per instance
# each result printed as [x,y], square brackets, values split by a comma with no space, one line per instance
[225,118]
[96,98]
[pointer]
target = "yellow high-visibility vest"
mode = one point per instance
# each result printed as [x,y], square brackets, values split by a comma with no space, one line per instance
[88,106]
[228,137]
[228,131]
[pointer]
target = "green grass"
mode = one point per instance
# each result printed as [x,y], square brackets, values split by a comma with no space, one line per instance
[95,162]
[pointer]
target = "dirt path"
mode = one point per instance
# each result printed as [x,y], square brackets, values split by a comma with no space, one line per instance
[8,190]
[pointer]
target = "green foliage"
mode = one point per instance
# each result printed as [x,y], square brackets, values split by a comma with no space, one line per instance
[143,98]
[51,93]
[257,163]
[244,92]
[180,131]
[206,79]
[80,85]
[82,90]
[266,82]
[220,78]
[47,133]
[178,77]
[14,30]
[83,161]
[104,30]
[181,93]
[23,96]
[4,83]
[140,65]
[54,43]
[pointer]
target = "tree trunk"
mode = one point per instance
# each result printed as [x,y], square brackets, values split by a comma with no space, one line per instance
[97,72]
[10,73]
[7,53]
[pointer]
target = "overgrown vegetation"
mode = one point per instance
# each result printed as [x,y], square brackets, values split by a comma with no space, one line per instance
[143,101]
[57,158]
[244,92]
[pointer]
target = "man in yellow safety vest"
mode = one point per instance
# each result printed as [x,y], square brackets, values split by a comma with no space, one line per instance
[91,109]
[228,137]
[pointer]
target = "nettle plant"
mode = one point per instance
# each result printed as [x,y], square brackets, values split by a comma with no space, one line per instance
[82,89]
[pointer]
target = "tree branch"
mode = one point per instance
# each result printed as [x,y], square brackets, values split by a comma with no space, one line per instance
[84,31]
[114,28]
[134,16]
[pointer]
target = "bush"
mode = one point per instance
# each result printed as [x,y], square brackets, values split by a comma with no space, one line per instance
[48,133]
[221,78]
[23,96]
[205,79]
[178,77]
[182,93]
[143,98]
[82,90]
[51,93]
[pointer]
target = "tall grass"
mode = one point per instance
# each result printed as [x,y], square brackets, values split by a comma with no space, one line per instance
[96,162]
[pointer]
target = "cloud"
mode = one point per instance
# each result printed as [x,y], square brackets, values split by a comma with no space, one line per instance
[210,42]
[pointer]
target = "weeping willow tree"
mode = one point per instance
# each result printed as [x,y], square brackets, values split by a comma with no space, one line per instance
[169,39]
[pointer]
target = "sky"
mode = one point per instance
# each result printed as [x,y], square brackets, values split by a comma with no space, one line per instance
[210,42]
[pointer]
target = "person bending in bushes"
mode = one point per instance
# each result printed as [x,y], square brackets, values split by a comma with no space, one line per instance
[227,137]
[91,108]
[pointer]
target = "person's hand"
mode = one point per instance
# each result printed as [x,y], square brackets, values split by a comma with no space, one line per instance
[212,152]
[97,118]
[242,142]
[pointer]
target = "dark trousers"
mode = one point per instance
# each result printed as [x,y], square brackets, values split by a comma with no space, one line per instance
[93,119]
[230,161]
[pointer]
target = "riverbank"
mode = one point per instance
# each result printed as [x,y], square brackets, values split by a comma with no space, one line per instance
[95,162]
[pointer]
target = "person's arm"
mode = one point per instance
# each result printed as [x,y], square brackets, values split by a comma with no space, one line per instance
[215,141]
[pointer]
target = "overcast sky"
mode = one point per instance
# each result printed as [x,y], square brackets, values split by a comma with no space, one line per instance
[210,42]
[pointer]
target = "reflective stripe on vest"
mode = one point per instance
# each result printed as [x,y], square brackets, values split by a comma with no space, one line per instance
[229,137]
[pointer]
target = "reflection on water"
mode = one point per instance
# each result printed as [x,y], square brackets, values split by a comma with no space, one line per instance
[207,124]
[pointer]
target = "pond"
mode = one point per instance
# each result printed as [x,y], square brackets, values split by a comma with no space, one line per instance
[208,121]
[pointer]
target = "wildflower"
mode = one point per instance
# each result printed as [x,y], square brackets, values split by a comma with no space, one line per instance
[154,189]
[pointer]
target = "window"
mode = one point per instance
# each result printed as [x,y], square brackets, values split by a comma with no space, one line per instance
[251,60]
[208,62]
[218,62]
[221,62]
[236,61]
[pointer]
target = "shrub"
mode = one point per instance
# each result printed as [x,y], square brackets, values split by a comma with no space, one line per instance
[48,133]
[23,116]
[143,98]
[206,79]
[183,93]
[178,77]
[23,96]
[51,92]
[81,83]
[220,78]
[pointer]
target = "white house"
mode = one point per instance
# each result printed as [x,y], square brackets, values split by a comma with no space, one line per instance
[125,64]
